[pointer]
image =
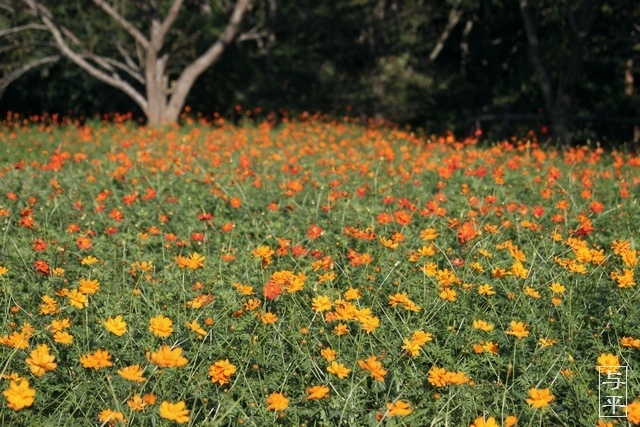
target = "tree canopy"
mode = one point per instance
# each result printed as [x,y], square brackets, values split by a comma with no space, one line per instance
[569,66]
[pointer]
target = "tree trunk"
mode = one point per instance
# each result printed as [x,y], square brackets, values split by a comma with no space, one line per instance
[154,101]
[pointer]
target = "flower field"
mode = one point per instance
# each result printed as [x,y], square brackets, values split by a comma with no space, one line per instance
[313,273]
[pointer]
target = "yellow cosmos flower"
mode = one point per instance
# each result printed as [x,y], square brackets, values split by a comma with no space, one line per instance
[88,287]
[429,233]
[437,377]
[195,327]
[329,354]
[277,402]
[97,360]
[166,357]
[77,299]
[481,325]
[518,330]
[528,290]
[174,412]
[64,338]
[161,326]
[321,303]
[116,325]
[109,416]
[449,294]
[19,395]
[338,369]
[608,363]
[88,260]
[486,290]
[41,361]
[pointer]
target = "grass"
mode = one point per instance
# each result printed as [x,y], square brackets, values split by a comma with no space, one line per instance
[275,251]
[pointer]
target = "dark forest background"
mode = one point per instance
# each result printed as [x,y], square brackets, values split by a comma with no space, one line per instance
[438,65]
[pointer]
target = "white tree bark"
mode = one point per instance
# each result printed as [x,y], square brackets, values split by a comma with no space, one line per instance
[160,103]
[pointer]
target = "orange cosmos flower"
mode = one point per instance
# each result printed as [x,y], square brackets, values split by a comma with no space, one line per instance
[374,367]
[41,361]
[132,373]
[221,371]
[437,377]
[97,360]
[484,422]
[272,290]
[174,412]
[399,408]
[317,392]
[329,354]
[277,402]
[136,403]
[539,398]
[633,411]
[109,416]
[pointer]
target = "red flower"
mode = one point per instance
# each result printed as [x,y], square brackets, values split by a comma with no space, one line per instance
[403,217]
[149,194]
[41,267]
[130,198]
[39,245]
[84,243]
[205,216]
[314,232]
[272,290]
[466,232]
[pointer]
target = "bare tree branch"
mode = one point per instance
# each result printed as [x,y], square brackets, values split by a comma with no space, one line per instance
[16,74]
[27,27]
[168,22]
[192,71]
[78,59]
[454,17]
[126,25]
[109,64]
[126,55]
[25,43]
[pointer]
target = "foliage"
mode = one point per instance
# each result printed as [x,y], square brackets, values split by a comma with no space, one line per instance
[372,59]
